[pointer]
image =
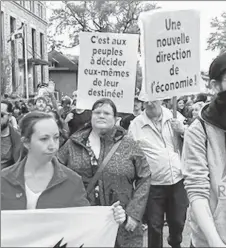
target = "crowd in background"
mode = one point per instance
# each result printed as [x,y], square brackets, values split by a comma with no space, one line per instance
[71,119]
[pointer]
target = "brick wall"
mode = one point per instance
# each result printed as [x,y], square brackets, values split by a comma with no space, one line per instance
[21,14]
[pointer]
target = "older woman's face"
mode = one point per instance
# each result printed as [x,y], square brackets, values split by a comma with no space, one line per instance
[103,117]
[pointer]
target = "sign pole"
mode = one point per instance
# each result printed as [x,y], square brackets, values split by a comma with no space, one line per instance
[174,107]
[25,61]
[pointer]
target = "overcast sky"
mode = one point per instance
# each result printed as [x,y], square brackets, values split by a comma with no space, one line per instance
[208,10]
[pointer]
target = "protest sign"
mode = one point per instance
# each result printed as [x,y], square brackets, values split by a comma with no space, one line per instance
[76,227]
[107,69]
[170,46]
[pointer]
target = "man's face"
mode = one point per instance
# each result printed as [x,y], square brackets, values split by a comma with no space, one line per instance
[4,116]
[41,104]
[153,109]
[219,86]
[137,105]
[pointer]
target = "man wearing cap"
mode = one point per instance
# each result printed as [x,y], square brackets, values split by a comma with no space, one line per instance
[204,159]
[159,136]
[137,110]
[77,118]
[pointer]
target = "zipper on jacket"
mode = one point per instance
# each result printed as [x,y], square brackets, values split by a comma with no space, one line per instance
[44,191]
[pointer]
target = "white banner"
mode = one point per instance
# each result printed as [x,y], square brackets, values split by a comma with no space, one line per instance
[107,69]
[170,46]
[84,226]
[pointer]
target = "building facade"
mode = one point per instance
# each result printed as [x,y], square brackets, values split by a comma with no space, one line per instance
[63,71]
[33,15]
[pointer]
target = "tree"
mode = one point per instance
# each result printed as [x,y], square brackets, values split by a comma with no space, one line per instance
[95,16]
[217,39]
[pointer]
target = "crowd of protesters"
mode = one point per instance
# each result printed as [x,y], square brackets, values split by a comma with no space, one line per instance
[147,164]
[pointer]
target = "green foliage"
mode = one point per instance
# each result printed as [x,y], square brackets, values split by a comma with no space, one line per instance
[95,16]
[217,39]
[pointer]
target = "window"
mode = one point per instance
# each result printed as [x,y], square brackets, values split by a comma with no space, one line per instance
[42,56]
[34,47]
[22,3]
[54,63]
[2,32]
[13,52]
[40,10]
[30,5]
[42,45]
[33,33]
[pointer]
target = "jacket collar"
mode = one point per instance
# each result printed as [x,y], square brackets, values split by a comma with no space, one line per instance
[15,173]
[81,137]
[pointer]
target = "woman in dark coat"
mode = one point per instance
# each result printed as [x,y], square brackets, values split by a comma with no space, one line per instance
[125,178]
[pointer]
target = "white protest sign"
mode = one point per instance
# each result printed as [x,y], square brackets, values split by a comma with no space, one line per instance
[170,46]
[76,227]
[107,69]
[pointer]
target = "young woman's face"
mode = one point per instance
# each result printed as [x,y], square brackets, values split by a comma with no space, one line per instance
[180,104]
[103,118]
[195,112]
[44,142]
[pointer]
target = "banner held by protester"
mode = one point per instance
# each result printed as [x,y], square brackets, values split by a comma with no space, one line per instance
[73,227]
[170,43]
[107,69]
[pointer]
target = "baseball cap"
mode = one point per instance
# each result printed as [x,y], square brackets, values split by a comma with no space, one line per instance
[218,66]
